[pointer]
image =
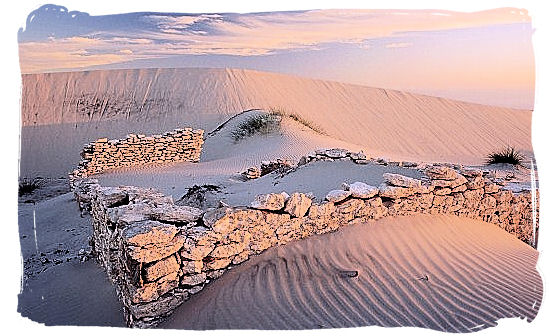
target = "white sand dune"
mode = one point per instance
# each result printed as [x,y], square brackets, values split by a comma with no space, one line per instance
[223,158]
[476,275]
[62,111]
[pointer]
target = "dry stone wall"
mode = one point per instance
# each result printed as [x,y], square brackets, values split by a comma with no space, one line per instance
[180,145]
[158,254]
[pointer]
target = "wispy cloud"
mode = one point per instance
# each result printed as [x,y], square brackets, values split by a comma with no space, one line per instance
[398,45]
[161,35]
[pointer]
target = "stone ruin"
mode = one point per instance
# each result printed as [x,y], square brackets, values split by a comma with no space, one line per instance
[267,167]
[180,145]
[158,254]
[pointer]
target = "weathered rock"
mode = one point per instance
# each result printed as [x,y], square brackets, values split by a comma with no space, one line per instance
[252,173]
[217,264]
[192,251]
[193,280]
[270,201]
[395,192]
[298,204]
[161,306]
[241,257]
[337,195]
[476,183]
[226,251]
[153,290]
[148,232]
[336,153]
[150,240]
[491,188]
[155,251]
[191,266]
[358,156]
[161,268]
[401,181]
[112,196]
[442,191]
[470,172]
[441,173]
[460,188]
[176,213]
[362,190]
[460,180]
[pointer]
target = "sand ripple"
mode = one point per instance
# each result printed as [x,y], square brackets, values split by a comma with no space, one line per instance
[438,272]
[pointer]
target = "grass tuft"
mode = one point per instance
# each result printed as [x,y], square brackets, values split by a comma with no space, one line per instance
[258,124]
[508,155]
[283,113]
[27,186]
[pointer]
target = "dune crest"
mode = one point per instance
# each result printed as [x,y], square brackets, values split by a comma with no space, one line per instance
[83,106]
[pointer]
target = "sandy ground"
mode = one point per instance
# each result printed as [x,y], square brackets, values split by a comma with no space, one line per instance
[61,112]
[439,272]
[60,284]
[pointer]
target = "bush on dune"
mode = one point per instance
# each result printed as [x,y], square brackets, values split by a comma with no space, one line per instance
[258,124]
[508,155]
[283,113]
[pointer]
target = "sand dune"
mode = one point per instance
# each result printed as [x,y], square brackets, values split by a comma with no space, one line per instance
[438,272]
[62,111]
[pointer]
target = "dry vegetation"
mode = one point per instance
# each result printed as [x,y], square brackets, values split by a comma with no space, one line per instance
[508,155]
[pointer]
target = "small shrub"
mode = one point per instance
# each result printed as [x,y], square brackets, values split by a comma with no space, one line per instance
[27,186]
[508,155]
[262,124]
[281,112]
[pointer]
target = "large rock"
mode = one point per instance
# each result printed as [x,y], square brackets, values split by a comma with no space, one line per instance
[161,306]
[153,290]
[148,233]
[336,153]
[395,192]
[458,181]
[270,201]
[226,251]
[176,213]
[113,196]
[298,204]
[191,266]
[362,190]
[161,268]
[155,251]
[401,181]
[192,251]
[337,195]
[193,280]
[441,173]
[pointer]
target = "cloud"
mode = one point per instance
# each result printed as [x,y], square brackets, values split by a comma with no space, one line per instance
[160,35]
[398,45]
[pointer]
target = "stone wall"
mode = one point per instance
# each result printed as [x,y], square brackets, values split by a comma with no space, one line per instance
[179,145]
[158,253]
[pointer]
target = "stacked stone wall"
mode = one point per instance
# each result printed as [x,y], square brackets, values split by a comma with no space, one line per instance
[158,253]
[180,145]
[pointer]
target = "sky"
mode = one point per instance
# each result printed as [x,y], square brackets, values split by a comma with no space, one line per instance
[484,57]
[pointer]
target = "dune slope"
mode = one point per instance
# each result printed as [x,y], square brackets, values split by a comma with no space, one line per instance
[438,272]
[62,111]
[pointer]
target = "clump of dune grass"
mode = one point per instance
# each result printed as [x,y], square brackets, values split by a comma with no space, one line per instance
[507,155]
[257,124]
[283,113]
[27,186]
